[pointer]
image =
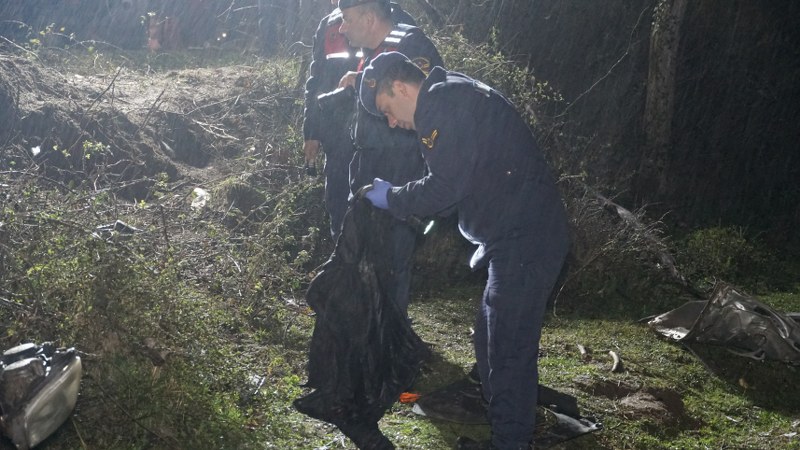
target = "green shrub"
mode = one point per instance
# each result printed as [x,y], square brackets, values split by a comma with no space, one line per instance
[487,63]
[728,253]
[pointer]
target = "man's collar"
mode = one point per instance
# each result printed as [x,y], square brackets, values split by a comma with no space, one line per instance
[436,75]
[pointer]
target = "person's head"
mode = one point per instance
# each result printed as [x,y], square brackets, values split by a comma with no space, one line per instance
[390,87]
[365,22]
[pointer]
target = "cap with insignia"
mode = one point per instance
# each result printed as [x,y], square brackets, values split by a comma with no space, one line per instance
[373,74]
[344,4]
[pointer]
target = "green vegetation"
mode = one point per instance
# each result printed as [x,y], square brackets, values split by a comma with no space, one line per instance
[193,329]
[729,253]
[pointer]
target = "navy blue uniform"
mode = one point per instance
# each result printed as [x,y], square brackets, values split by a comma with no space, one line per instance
[392,153]
[384,152]
[332,58]
[483,162]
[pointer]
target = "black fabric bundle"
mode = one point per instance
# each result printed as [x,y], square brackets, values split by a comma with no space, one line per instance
[363,352]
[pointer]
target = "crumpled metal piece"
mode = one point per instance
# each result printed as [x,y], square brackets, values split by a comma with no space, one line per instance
[737,321]
[39,387]
[118,228]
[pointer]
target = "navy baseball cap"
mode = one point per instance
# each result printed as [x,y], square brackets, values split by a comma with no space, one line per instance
[344,4]
[373,74]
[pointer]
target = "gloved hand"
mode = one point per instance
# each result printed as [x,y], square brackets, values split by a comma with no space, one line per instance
[378,194]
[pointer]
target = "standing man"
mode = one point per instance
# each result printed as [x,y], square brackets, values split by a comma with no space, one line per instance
[383,152]
[483,161]
[329,129]
[332,57]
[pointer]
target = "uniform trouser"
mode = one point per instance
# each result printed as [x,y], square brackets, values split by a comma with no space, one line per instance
[507,333]
[338,153]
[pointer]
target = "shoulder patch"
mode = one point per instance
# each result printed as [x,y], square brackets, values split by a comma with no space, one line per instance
[430,141]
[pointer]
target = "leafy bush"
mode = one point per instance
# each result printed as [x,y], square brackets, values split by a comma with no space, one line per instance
[620,265]
[487,63]
[179,323]
[728,253]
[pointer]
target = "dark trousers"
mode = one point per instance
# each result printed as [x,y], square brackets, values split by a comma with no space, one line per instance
[507,333]
[338,153]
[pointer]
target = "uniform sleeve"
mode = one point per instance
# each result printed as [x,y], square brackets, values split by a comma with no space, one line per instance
[449,147]
[311,111]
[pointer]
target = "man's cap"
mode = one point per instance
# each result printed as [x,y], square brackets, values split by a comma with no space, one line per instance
[344,4]
[373,74]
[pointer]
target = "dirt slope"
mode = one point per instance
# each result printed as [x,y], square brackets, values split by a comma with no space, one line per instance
[128,125]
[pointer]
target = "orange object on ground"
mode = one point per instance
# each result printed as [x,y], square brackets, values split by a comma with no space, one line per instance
[409,397]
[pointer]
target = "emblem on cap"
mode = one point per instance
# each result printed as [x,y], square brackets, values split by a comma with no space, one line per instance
[423,63]
[430,141]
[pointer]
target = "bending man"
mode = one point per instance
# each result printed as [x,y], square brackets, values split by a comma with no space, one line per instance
[483,162]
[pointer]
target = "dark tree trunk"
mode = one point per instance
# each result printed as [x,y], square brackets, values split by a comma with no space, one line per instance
[660,100]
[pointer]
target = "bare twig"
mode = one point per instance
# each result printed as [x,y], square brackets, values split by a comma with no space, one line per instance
[211,129]
[97,99]
[7,302]
[78,432]
[124,411]
[235,99]
[150,111]
[21,48]
[164,225]
[610,69]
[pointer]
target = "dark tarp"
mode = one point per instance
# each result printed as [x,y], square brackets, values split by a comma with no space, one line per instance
[363,352]
[558,418]
[736,321]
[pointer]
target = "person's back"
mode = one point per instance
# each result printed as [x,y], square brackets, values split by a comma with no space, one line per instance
[514,195]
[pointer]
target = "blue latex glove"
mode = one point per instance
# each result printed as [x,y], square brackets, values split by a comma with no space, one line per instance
[378,194]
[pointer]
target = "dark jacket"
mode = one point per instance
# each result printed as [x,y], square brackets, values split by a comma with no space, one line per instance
[390,153]
[483,161]
[332,57]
